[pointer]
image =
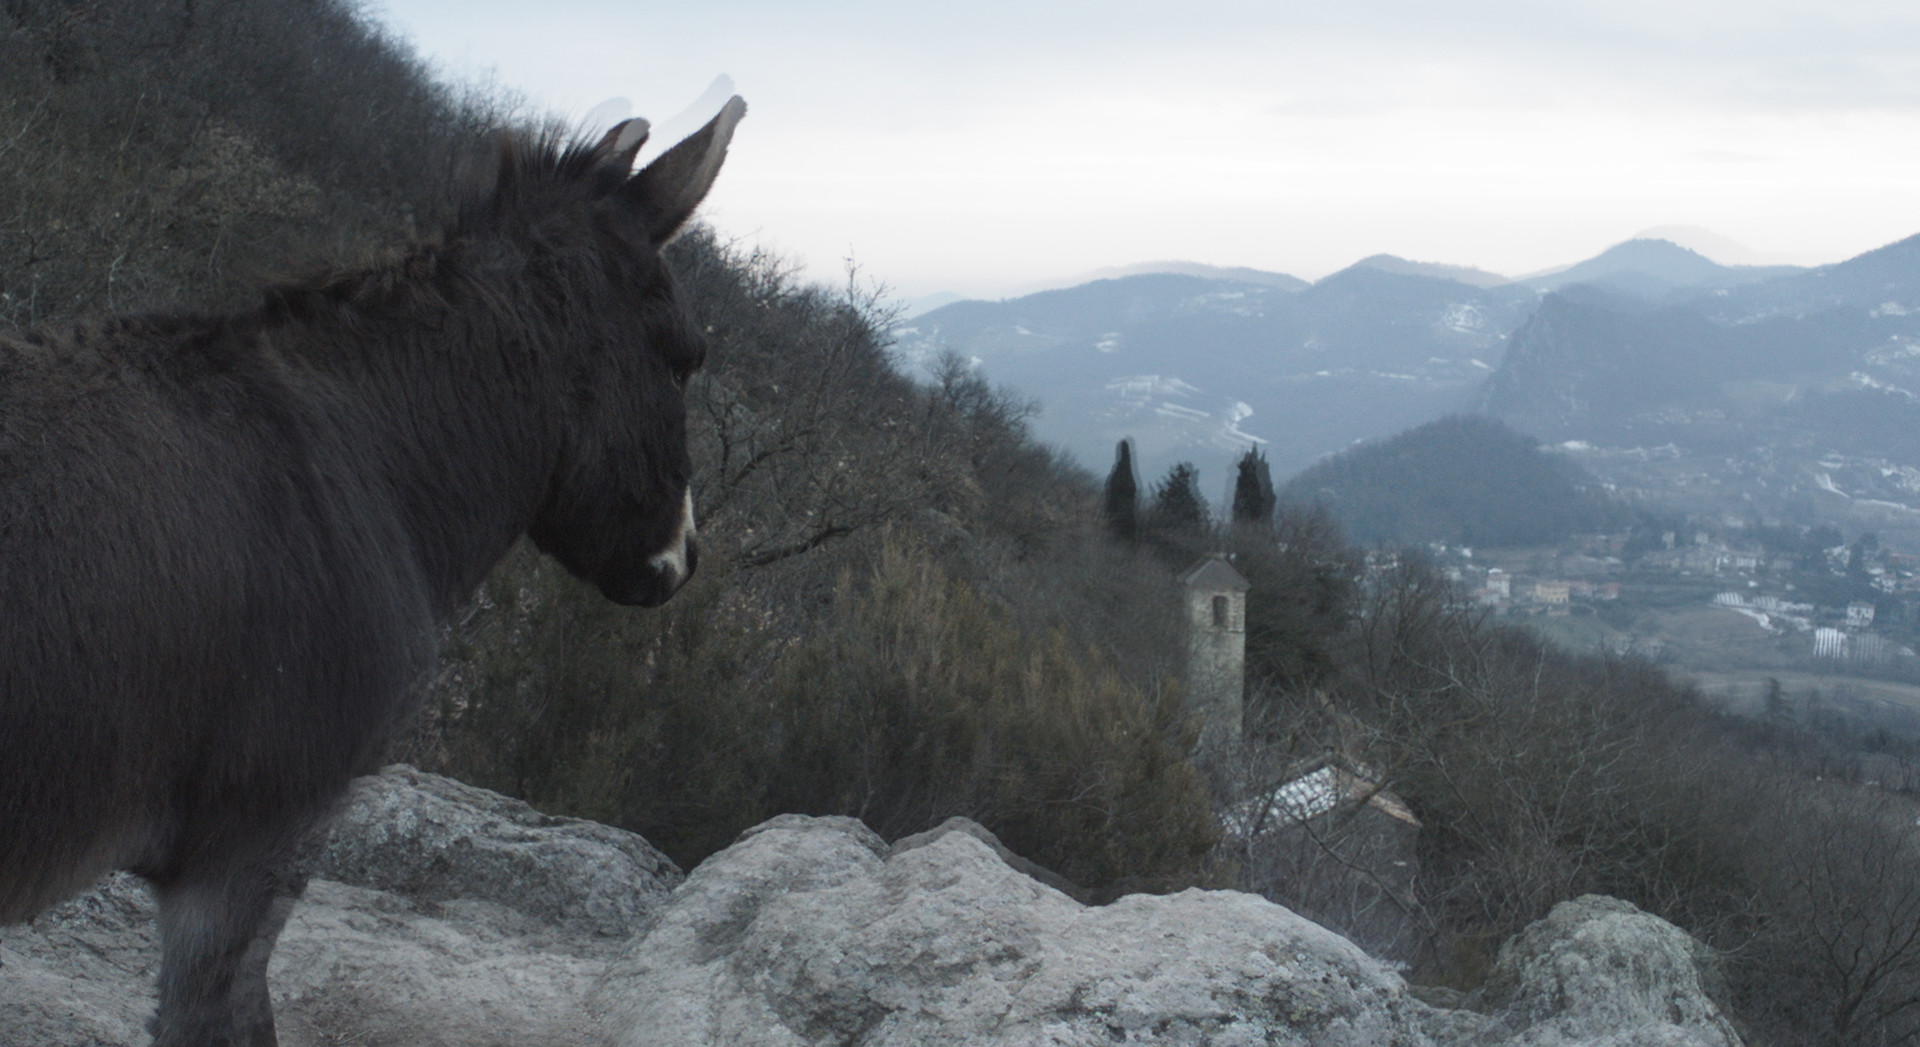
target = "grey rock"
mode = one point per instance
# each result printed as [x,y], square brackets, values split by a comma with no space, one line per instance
[83,972]
[354,966]
[812,932]
[980,832]
[365,967]
[806,932]
[470,921]
[1602,973]
[436,839]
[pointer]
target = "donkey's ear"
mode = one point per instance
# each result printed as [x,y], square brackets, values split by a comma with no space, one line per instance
[622,143]
[668,189]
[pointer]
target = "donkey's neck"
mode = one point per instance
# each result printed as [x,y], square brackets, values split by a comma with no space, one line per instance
[455,412]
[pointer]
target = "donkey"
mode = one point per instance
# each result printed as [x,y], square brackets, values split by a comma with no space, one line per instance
[226,541]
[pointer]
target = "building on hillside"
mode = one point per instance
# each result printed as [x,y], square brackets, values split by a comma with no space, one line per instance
[1869,649]
[1550,593]
[1581,566]
[1216,598]
[1859,615]
[1330,843]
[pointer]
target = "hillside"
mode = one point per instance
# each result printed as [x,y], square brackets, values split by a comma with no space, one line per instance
[907,608]
[1653,269]
[1196,362]
[1791,398]
[1463,480]
[1199,368]
[169,154]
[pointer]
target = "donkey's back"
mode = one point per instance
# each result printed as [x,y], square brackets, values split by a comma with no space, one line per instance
[208,603]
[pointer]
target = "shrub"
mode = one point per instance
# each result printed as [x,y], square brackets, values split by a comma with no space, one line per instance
[922,701]
[913,699]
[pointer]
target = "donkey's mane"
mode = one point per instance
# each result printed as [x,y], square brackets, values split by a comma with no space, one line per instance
[535,174]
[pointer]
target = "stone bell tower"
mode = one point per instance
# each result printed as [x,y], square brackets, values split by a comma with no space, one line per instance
[1216,648]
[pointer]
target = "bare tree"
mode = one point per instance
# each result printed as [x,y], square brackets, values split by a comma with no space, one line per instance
[1838,952]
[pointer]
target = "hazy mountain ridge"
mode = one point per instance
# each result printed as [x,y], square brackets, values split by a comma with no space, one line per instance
[1465,274]
[1653,269]
[1236,273]
[1766,390]
[1795,397]
[1868,281]
[1193,367]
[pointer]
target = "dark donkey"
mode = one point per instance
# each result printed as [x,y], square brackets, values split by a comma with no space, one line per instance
[226,542]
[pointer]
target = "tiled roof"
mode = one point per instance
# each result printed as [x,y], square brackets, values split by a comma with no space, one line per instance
[1310,796]
[1214,573]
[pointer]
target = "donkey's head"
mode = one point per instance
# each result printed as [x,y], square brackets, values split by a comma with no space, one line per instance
[618,510]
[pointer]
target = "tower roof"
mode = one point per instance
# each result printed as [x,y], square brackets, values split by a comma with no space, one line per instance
[1215,574]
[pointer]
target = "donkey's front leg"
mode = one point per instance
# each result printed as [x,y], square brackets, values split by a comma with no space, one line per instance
[217,933]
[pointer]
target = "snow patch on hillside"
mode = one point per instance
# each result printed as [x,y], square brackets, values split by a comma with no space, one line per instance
[1464,317]
[1866,381]
[1230,430]
[1140,388]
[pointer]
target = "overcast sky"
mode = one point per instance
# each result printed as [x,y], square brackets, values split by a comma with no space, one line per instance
[984,146]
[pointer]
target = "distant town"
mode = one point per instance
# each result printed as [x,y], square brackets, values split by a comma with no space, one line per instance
[1809,598]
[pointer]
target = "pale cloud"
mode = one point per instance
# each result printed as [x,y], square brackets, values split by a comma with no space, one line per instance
[979,147]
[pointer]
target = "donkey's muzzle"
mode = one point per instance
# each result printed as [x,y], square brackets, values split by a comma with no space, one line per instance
[666,577]
[670,568]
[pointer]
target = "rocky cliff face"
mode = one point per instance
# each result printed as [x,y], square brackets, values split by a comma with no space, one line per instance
[447,915]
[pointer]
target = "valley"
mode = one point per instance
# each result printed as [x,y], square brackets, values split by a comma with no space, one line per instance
[1756,429]
[1769,394]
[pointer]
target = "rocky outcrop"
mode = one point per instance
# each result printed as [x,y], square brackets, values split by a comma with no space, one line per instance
[440,915]
[433,839]
[812,931]
[808,932]
[980,832]
[1599,971]
[446,915]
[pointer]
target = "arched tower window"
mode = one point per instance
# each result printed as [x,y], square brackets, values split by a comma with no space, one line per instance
[1220,612]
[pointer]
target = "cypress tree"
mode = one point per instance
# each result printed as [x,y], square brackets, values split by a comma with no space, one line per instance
[1253,491]
[1122,505]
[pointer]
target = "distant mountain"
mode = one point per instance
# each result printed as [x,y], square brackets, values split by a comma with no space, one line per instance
[1768,392]
[1707,242]
[1464,480]
[1589,364]
[913,307]
[1796,397]
[1884,277]
[1653,269]
[1586,361]
[1200,368]
[1235,273]
[1465,274]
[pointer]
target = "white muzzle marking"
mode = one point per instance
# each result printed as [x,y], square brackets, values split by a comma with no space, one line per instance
[673,562]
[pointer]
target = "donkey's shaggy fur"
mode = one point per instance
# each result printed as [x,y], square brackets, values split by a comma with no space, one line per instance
[225,542]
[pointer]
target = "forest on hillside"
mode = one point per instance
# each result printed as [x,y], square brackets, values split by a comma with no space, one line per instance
[907,608]
[1463,480]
